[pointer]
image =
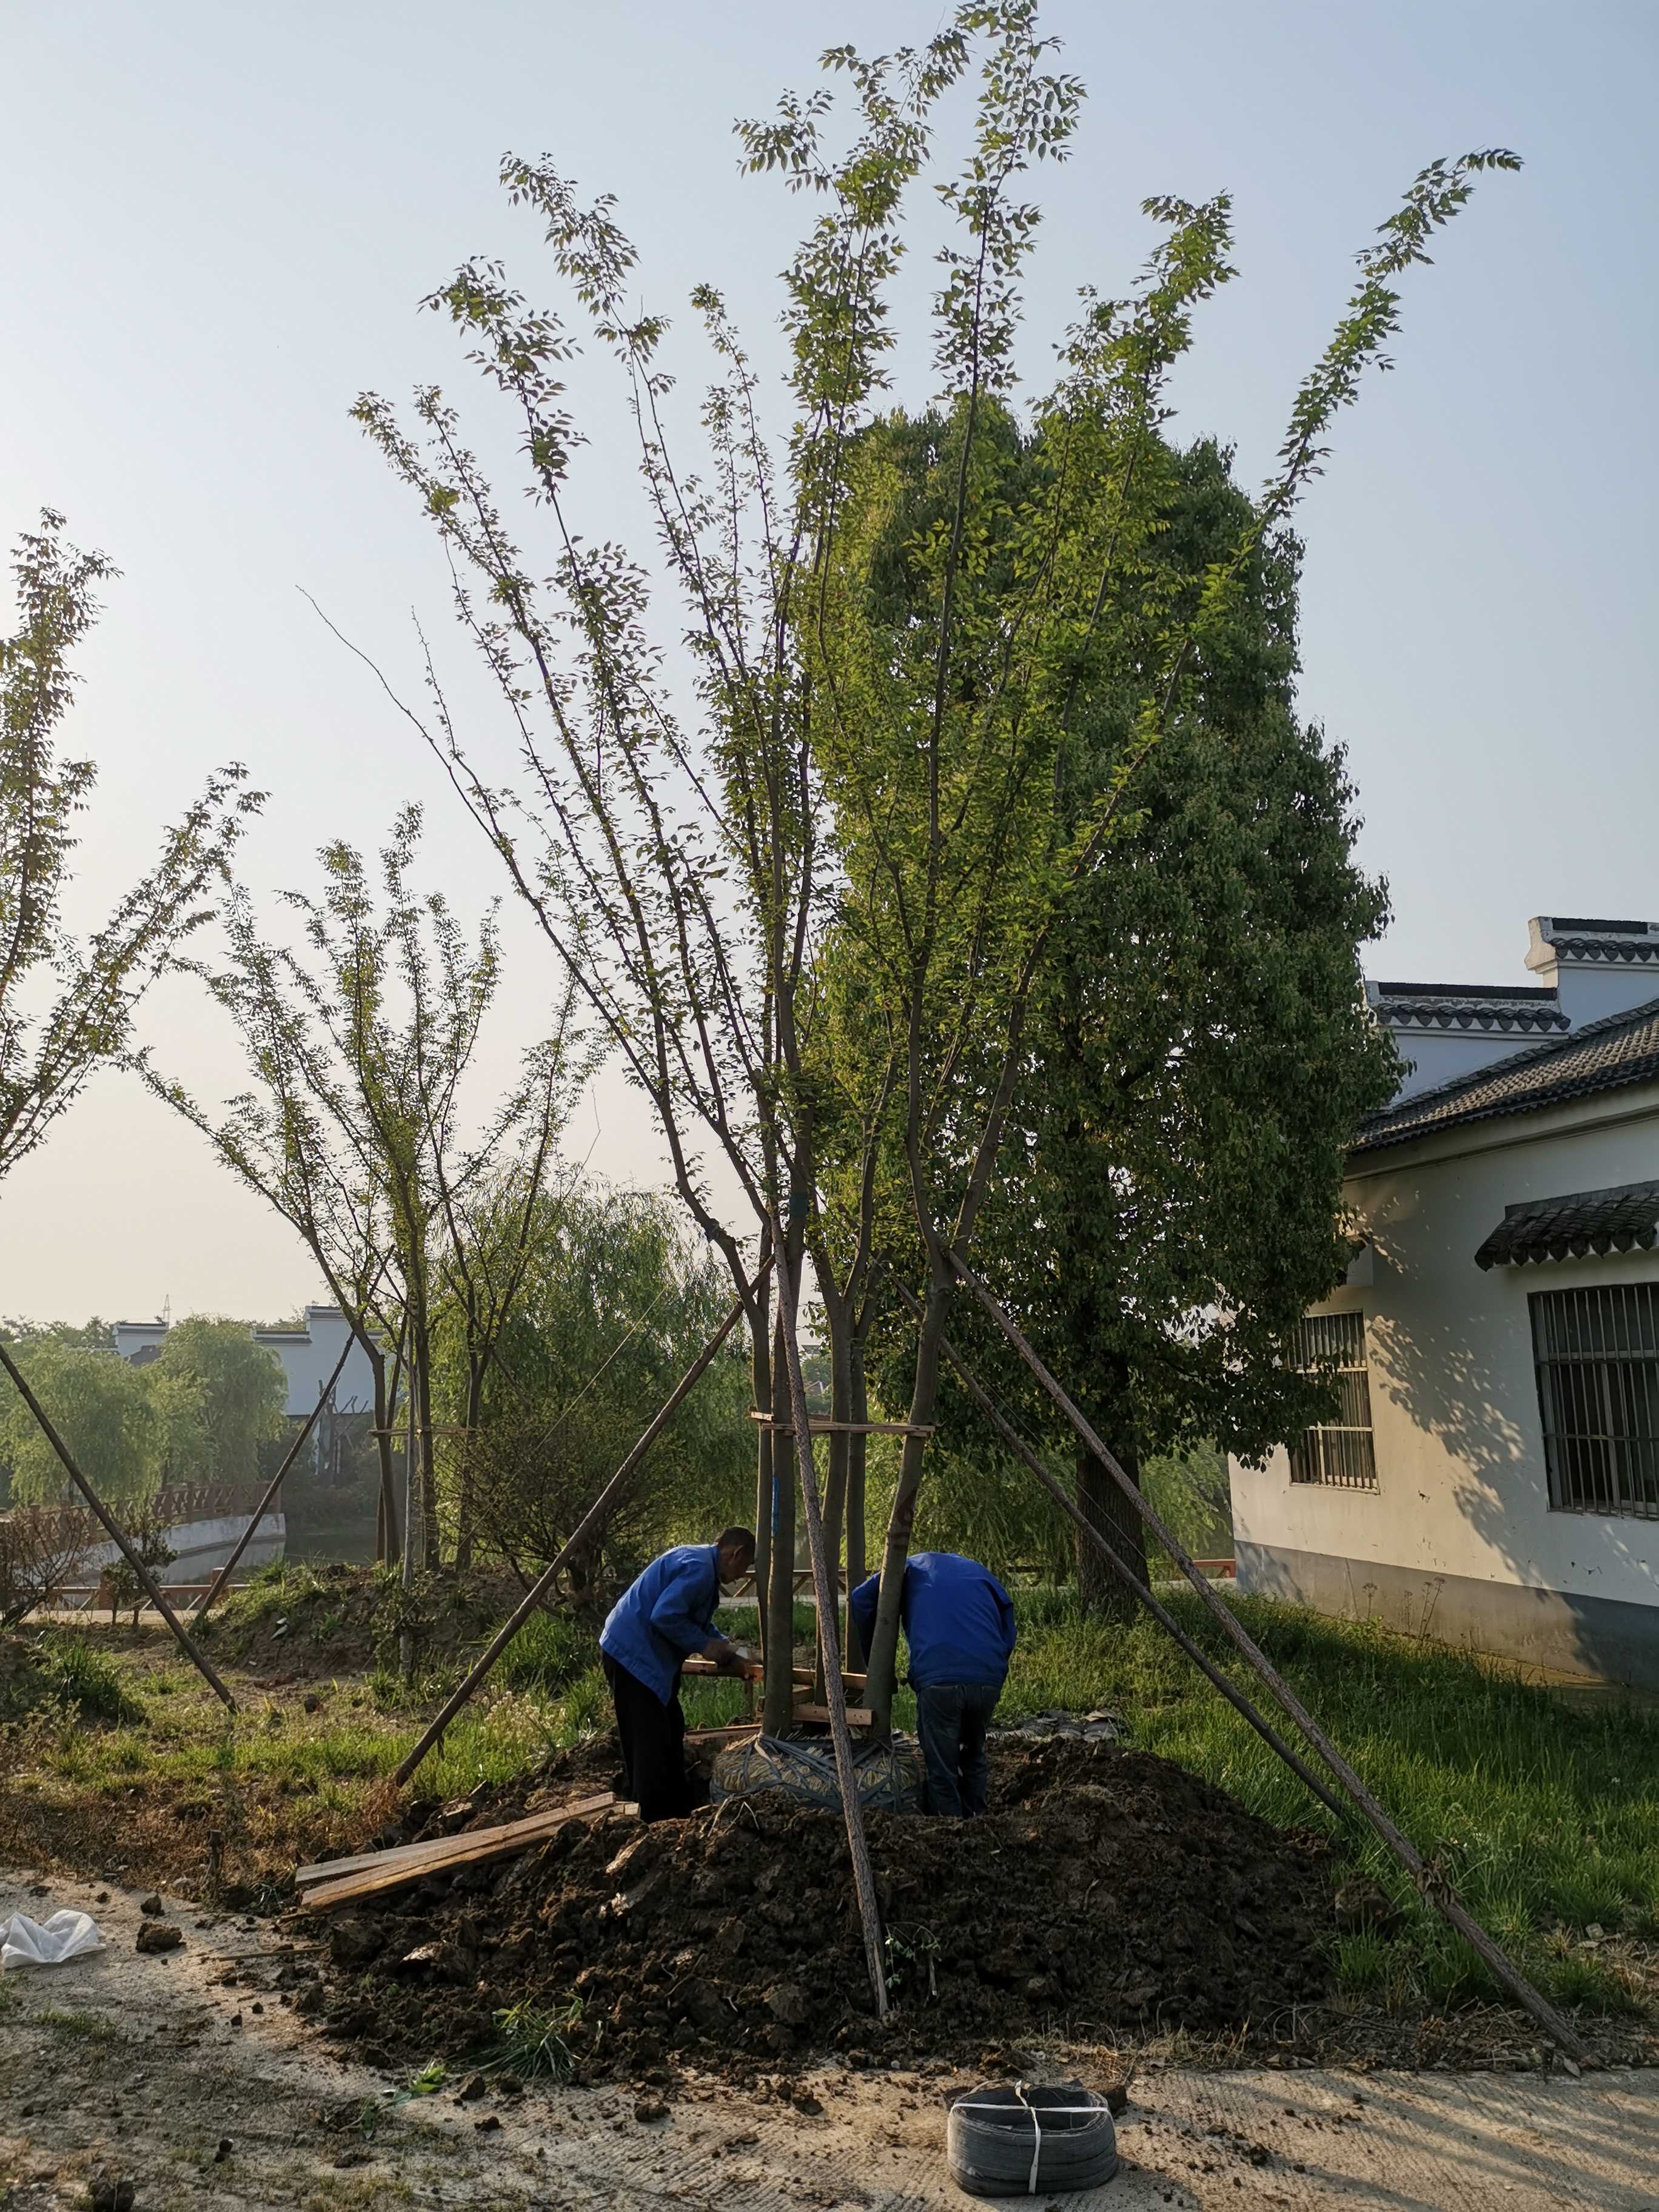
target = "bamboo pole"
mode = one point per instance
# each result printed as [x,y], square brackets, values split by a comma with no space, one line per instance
[830,1653]
[1160,1613]
[151,1588]
[274,1486]
[1431,1884]
[591,1519]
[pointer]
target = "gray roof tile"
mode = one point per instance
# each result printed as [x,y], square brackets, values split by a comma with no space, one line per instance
[1623,1218]
[1604,1055]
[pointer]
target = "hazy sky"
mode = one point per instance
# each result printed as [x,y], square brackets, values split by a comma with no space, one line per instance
[218,223]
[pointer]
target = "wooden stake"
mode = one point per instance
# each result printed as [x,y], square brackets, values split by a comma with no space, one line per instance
[151,1588]
[591,1519]
[835,1688]
[1160,1613]
[1431,1883]
[275,1484]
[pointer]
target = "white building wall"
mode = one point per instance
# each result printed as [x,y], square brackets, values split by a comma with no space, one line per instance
[308,1361]
[1461,1486]
[308,1355]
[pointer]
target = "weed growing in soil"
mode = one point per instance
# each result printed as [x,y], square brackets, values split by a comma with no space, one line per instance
[529,2041]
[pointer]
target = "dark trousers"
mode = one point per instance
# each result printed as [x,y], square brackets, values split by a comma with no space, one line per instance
[951,1718]
[653,1737]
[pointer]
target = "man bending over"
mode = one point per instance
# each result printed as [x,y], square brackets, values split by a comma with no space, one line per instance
[959,1626]
[659,1620]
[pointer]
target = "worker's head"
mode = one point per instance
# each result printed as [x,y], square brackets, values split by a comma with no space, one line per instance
[736,1547]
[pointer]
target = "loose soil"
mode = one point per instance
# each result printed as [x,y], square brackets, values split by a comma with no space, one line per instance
[1109,1893]
[313,1623]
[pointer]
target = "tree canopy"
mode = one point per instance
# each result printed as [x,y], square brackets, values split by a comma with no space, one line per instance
[816,904]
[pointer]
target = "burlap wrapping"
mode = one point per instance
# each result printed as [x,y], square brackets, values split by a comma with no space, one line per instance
[889,1774]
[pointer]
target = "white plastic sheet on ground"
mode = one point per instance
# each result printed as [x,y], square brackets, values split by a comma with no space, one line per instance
[66,1935]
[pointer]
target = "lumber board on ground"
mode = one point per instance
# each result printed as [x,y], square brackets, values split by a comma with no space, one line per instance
[341,1880]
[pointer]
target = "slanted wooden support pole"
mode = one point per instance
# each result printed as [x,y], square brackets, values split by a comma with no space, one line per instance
[1160,1613]
[151,1588]
[1431,1882]
[591,1519]
[275,1484]
[835,1688]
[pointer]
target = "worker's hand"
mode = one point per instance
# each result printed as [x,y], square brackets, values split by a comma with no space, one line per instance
[734,1660]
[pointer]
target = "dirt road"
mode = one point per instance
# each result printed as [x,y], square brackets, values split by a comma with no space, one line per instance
[146,2065]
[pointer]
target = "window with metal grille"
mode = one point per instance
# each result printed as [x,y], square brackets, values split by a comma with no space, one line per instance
[1597,1357]
[1338,1453]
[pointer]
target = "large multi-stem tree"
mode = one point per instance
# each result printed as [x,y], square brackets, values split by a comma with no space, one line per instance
[360,1041]
[66,1007]
[1197,1052]
[810,897]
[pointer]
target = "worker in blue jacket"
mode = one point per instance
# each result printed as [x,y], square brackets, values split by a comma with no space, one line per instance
[663,1617]
[959,1626]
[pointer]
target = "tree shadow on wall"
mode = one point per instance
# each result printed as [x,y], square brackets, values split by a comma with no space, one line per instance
[1434,1371]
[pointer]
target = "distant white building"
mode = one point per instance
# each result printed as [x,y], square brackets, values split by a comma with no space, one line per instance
[1494,1476]
[308,1355]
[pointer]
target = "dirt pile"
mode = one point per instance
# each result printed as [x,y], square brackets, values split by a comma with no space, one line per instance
[1108,1890]
[298,1623]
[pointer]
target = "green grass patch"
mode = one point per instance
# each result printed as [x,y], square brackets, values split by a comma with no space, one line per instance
[76,2026]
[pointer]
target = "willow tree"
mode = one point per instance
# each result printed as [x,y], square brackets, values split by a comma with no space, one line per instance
[810,893]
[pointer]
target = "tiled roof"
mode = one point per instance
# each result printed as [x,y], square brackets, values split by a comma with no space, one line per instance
[1624,1218]
[1466,1006]
[1583,936]
[1603,1055]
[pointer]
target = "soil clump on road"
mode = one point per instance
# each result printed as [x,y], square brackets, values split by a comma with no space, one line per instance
[1108,1893]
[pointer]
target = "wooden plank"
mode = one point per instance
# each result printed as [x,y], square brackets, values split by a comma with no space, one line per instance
[705,1670]
[375,1870]
[857,1715]
[820,1425]
[439,1847]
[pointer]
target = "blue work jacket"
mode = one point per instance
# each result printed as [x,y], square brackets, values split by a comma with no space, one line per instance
[958,1620]
[665,1615]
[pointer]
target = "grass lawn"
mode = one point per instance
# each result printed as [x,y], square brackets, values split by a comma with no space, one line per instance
[1545,1816]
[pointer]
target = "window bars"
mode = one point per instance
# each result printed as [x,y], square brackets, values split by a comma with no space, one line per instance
[1597,1352]
[1338,1453]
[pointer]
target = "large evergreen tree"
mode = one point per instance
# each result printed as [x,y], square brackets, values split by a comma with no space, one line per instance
[1199,1052]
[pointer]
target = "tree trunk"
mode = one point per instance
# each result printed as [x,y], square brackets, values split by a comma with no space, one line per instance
[760,1382]
[463,1501]
[778,1708]
[1102,1592]
[883,1672]
[386,1519]
[858,1400]
[427,1468]
[834,1489]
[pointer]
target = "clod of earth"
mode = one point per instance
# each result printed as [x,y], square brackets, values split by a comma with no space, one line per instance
[1361,1903]
[159,1935]
[1106,1891]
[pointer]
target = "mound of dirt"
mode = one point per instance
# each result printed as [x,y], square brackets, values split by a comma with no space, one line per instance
[302,1622]
[1108,1891]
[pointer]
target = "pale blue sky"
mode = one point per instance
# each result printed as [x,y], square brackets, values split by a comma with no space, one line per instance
[218,220]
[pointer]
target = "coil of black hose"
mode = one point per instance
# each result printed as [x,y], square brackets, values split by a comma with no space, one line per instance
[1024,2141]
